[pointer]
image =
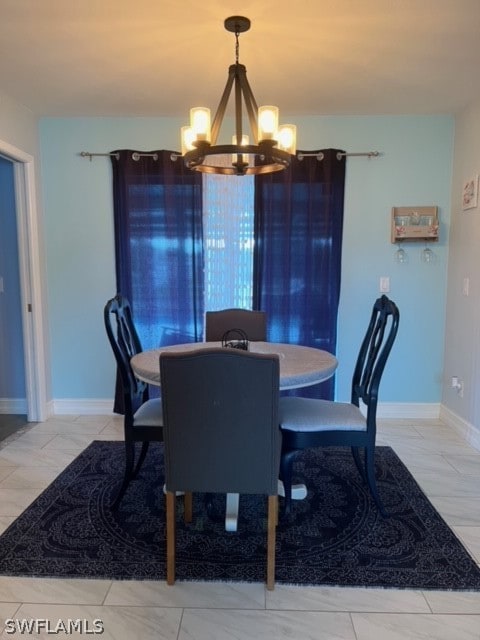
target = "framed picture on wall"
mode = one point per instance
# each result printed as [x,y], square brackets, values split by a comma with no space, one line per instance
[470,193]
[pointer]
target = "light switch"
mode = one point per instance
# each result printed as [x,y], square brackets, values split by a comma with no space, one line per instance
[466,286]
[384,284]
[1,285]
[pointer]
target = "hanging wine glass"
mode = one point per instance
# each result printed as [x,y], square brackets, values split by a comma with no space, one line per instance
[428,255]
[401,255]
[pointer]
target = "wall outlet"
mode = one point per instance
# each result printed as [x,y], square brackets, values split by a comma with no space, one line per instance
[457,385]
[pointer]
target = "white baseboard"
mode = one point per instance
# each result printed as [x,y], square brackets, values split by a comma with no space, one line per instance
[85,406]
[409,410]
[467,430]
[13,405]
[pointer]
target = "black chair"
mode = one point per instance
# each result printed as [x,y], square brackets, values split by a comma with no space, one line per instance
[253,323]
[143,418]
[308,423]
[224,404]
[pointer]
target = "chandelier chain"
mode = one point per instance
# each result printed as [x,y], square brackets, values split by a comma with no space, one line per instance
[237,47]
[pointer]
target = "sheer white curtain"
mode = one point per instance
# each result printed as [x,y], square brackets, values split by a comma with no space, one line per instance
[228,240]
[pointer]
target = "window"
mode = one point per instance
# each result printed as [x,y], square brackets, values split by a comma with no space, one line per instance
[228,241]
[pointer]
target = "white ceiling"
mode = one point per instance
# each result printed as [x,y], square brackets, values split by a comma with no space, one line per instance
[156,58]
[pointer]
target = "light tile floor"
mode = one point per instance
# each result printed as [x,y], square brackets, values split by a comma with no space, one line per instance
[445,466]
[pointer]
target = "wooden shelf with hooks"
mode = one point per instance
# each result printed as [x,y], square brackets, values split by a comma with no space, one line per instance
[414,223]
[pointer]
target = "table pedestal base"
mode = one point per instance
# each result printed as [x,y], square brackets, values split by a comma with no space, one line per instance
[299,492]
[231,511]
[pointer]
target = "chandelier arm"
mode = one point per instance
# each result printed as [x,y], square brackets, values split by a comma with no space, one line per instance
[220,113]
[250,102]
[238,109]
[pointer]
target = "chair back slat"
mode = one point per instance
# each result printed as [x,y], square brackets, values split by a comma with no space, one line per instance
[374,351]
[125,344]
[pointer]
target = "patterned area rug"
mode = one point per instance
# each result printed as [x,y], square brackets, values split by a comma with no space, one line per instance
[335,536]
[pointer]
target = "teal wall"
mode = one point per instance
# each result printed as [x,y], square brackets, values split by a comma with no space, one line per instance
[414,168]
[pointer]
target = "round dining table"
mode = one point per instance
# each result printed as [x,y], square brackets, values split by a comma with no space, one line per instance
[300,366]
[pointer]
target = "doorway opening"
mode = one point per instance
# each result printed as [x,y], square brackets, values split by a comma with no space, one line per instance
[12,359]
[30,271]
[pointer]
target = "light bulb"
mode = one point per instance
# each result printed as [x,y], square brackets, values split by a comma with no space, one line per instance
[267,122]
[287,138]
[200,123]
[243,143]
[187,137]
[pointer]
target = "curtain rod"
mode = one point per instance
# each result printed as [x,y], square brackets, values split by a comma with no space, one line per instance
[136,156]
[320,156]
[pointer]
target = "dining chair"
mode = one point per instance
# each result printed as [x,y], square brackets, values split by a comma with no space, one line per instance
[224,404]
[143,418]
[309,423]
[253,323]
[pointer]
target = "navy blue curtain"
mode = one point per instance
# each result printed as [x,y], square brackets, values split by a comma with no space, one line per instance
[298,251]
[158,245]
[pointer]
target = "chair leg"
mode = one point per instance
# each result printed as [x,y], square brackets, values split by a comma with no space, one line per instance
[170,498]
[128,473]
[372,483]
[141,458]
[286,466]
[272,520]
[358,462]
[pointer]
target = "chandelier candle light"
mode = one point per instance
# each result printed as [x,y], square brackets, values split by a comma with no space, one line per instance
[273,145]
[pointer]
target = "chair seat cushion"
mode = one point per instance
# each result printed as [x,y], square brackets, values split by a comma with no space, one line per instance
[309,414]
[149,414]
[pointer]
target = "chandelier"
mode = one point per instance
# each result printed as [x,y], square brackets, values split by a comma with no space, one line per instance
[273,145]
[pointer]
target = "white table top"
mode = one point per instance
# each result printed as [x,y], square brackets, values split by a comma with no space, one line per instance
[299,366]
